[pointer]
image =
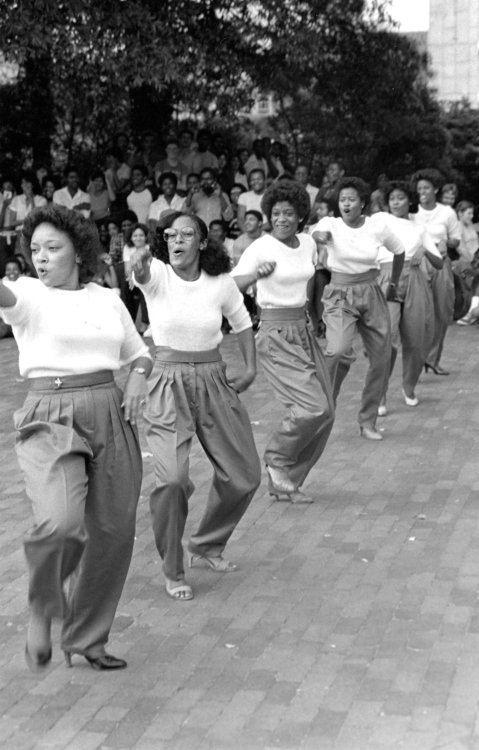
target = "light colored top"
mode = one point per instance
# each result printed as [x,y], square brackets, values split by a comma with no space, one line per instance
[61,332]
[469,243]
[187,315]
[441,222]
[312,191]
[161,206]
[208,207]
[412,237]
[252,202]
[287,285]
[241,243]
[63,197]
[355,250]
[140,203]
[19,205]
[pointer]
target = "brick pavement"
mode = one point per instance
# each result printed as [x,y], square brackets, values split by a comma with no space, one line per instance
[352,624]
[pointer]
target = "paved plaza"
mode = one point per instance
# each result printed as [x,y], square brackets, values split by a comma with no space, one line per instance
[352,624]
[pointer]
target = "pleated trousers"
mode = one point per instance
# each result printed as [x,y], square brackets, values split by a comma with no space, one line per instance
[190,395]
[294,366]
[410,321]
[442,286]
[356,303]
[82,465]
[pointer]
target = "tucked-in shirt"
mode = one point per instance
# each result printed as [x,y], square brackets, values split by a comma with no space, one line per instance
[412,237]
[61,332]
[140,202]
[355,250]
[187,315]
[63,197]
[441,222]
[287,285]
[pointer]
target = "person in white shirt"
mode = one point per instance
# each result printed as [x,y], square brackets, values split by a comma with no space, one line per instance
[282,265]
[140,198]
[188,291]
[117,176]
[353,301]
[442,224]
[251,200]
[77,443]
[411,311]
[21,204]
[71,196]
[166,203]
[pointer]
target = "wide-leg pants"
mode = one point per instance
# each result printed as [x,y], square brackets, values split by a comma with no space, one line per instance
[410,321]
[82,466]
[294,365]
[356,303]
[191,397]
[442,286]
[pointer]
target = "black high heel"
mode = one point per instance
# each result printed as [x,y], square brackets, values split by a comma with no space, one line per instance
[105,661]
[436,369]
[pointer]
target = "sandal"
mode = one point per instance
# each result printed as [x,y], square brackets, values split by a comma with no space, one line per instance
[179,590]
[218,563]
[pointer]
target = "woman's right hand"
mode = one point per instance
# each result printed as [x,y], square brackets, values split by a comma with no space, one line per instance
[265,269]
[140,260]
[322,238]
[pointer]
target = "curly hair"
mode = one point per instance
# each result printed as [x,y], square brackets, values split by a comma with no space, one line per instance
[401,185]
[129,234]
[214,260]
[287,191]
[82,233]
[433,176]
[355,183]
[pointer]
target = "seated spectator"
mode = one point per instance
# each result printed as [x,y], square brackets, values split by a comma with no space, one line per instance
[71,196]
[168,201]
[140,198]
[301,175]
[204,158]
[147,156]
[172,164]
[253,222]
[6,196]
[13,269]
[116,241]
[233,227]
[103,236]
[449,194]
[99,197]
[251,200]
[117,176]
[192,183]
[329,187]
[237,167]
[21,205]
[49,185]
[209,202]
[217,232]
[187,149]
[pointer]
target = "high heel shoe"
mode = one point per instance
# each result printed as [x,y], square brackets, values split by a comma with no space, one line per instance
[38,662]
[370,433]
[410,400]
[436,369]
[105,661]
[283,489]
[216,563]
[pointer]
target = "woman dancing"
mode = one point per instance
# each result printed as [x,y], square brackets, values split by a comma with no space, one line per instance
[353,301]
[442,224]
[77,444]
[188,291]
[281,264]
[411,310]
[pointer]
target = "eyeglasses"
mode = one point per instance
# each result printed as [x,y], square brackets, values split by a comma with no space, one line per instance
[170,235]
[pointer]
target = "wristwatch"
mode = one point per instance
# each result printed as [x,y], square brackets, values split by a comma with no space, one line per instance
[139,370]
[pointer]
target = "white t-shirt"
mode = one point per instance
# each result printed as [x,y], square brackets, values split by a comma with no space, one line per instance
[63,197]
[252,202]
[19,205]
[61,332]
[140,203]
[287,285]
[187,315]
[441,222]
[412,237]
[161,206]
[355,250]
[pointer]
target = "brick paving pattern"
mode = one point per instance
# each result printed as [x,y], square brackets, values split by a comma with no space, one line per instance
[352,624]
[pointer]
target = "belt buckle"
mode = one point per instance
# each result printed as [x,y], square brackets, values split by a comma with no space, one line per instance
[58,382]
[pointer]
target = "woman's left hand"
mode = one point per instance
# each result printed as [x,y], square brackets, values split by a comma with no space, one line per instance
[242,382]
[135,397]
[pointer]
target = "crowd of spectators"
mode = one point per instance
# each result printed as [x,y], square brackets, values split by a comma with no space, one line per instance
[135,189]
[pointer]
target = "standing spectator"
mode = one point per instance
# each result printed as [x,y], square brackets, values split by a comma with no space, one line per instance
[99,197]
[301,175]
[204,158]
[168,201]
[21,205]
[468,249]
[6,196]
[251,200]
[234,194]
[187,149]
[71,196]
[117,176]
[257,160]
[332,178]
[48,188]
[140,198]
[209,203]
[253,224]
[172,163]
